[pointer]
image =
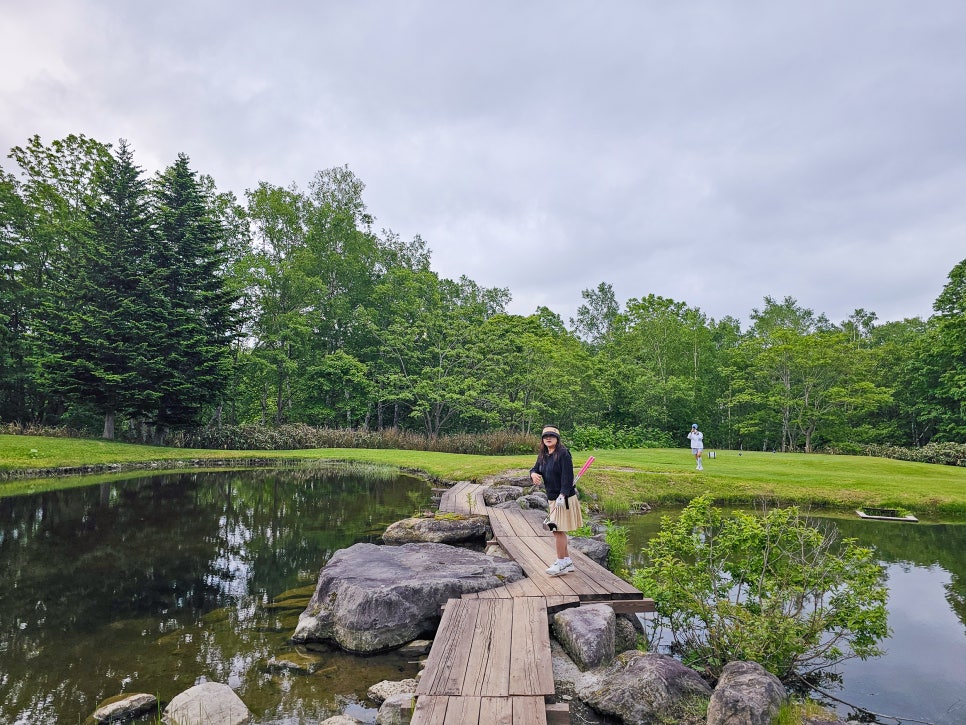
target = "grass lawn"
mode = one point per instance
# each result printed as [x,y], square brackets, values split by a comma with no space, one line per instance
[617,478]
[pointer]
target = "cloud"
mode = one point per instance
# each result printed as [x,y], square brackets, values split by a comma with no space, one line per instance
[711,152]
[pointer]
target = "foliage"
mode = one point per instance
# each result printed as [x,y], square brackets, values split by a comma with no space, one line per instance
[289,308]
[616,537]
[948,454]
[608,437]
[769,588]
[297,436]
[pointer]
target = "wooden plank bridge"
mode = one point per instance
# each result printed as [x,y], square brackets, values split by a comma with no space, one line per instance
[490,661]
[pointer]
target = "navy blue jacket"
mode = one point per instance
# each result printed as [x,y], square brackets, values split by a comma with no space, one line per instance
[558,473]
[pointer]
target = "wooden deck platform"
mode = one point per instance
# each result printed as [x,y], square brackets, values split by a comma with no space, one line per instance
[490,661]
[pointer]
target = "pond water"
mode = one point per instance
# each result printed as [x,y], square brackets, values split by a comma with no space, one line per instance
[149,585]
[154,583]
[922,676]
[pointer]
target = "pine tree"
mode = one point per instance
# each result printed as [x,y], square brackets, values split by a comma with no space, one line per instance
[110,314]
[199,332]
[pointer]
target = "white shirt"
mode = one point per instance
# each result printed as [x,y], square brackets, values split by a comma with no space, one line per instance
[697,439]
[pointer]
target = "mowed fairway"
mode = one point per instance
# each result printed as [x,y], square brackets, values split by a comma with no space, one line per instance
[617,478]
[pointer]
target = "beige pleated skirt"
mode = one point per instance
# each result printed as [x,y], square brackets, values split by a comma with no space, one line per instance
[565,518]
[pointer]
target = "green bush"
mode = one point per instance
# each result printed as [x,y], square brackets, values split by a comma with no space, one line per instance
[298,436]
[947,454]
[597,437]
[768,588]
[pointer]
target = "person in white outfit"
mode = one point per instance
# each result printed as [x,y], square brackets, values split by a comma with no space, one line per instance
[697,444]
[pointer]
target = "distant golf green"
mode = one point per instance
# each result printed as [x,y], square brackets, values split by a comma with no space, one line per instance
[616,480]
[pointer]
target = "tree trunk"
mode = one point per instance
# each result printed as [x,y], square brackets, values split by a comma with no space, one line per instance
[109,425]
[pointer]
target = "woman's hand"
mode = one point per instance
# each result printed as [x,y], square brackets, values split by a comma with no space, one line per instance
[535,477]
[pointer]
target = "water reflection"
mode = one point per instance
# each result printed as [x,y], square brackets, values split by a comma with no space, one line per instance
[923,673]
[150,584]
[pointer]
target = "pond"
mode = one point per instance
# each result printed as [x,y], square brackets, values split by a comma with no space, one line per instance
[152,584]
[922,676]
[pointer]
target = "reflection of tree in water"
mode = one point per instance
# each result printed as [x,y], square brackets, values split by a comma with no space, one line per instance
[920,544]
[90,572]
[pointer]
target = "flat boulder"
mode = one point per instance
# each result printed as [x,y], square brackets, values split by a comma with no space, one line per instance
[746,694]
[644,688]
[125,707]
[493,495]
[373,598]
[439,529]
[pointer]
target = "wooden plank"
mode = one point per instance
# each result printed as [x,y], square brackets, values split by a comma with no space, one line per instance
[530,710]
[430,710]
[558,713]
[534,518]
[535,567]
[496,711]
[625,606]
[531,670]
[524,526]
[446,665]
[608,580]
[555,604]
[463,710]
[499,522]
[488,669]
[450,498]
[523,588]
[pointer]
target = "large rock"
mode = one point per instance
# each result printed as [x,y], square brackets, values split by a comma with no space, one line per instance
[747,694]
[381,691]
[645,689]
[594,549]
[210,703]
[493,495]
[396,710]
[587,634]
[373,598]
[125,707]
[441,529]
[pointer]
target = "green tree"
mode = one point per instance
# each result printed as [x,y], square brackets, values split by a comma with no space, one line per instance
[596,315]
[950,325]
[428,331]
[108,312]
[193,258]
[13,302]
[46,221]
[769,588]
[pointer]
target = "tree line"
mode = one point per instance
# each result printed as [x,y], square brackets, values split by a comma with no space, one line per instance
[141,305]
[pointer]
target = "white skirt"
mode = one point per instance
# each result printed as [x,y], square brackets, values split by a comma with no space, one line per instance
[565,518]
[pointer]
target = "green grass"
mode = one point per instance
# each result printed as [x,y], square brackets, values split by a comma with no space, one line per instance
[617,478]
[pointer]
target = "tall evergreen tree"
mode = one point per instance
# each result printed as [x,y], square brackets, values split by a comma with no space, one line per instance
[192,260]
[109,313]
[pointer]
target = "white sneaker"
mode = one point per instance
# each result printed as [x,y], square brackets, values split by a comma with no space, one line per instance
[559,568]
[700,467]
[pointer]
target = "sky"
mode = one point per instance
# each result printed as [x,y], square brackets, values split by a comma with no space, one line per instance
[712,152]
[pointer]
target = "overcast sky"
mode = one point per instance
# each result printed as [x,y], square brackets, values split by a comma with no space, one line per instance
[711,152]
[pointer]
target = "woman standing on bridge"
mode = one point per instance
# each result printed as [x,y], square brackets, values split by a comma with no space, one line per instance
[556,467]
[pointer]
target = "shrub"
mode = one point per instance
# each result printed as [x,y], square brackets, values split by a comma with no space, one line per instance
[769,588]
[597,437]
